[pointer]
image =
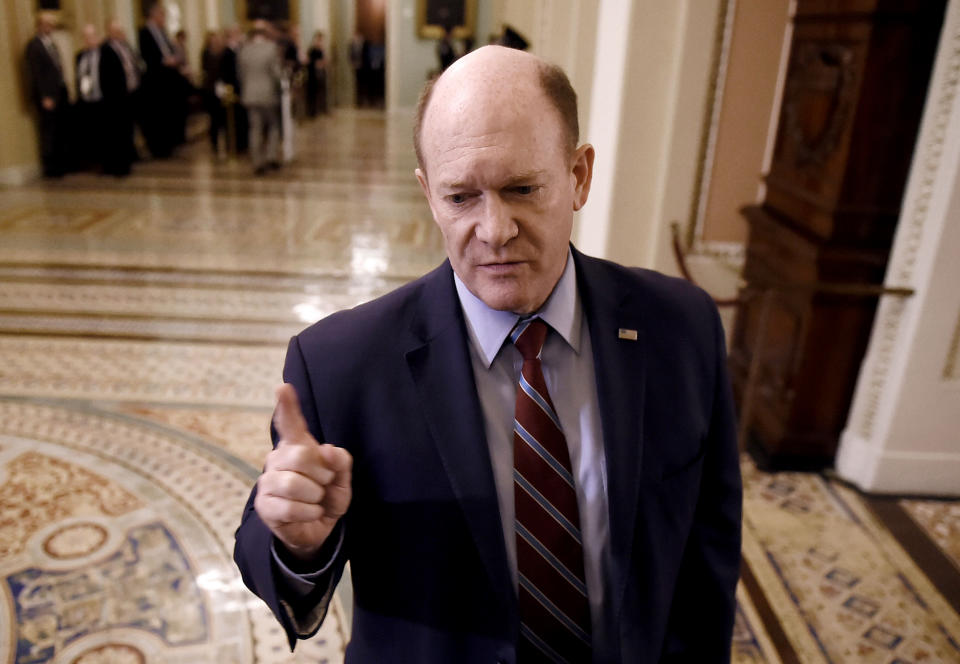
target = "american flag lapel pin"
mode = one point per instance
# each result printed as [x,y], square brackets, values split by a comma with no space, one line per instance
[624,333]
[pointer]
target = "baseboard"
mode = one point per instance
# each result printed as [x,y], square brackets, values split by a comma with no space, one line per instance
[19,175]
[875,470]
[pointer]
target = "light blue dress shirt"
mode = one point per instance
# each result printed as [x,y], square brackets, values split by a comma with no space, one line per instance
[567,361]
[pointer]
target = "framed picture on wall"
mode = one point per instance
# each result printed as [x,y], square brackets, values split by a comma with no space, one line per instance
[280,11]
[435,16]
[269,10]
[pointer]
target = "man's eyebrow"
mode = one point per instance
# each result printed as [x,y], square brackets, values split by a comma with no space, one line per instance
[513,180]
[523,178]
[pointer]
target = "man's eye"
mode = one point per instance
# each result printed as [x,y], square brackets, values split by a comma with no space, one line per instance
[457,199]
[524,189]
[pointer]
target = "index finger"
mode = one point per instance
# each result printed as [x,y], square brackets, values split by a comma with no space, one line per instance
[288,418]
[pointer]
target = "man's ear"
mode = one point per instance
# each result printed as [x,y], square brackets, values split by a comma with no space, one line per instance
[583,174]
[425,188]
[422,179]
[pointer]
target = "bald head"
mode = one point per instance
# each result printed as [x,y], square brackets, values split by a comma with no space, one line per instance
[46,22]
[495,76]
[115,30]
[90,37]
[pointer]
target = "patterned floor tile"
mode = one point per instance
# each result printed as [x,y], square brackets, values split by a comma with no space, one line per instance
[941,522]
[242,434]
[160,301]
[126,546]
[842,588]
[751,643]
[140,371]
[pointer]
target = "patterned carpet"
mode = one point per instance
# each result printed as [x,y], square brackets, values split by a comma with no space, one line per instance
[143,324]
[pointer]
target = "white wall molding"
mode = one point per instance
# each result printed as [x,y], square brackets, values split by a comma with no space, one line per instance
[713,123]
[733,254]
[897,472]
[928,163]
[19,175]
[906,411]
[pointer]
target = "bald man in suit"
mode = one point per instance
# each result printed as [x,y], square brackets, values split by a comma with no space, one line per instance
[49,94]
[528,454]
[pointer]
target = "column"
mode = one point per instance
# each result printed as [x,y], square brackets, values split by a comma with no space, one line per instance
[903,432]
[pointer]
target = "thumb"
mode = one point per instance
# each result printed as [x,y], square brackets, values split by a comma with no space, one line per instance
[288,418]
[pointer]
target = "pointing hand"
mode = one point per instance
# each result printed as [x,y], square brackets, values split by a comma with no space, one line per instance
[305,487]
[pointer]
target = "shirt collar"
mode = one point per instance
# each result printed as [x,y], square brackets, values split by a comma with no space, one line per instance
[488,328]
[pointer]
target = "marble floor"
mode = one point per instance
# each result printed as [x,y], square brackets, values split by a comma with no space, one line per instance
[143,323]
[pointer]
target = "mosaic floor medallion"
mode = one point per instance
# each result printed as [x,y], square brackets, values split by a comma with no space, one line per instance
[117,547]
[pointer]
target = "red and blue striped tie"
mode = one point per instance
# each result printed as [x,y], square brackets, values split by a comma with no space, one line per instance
[554,612]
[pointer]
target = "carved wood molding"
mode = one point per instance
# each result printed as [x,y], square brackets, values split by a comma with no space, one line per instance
[821,84]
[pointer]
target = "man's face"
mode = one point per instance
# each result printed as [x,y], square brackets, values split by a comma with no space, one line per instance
[115,31]
[90,36]
[503,189]
[45,25]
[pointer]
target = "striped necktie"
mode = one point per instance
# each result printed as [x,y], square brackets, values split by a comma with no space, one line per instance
[554,612]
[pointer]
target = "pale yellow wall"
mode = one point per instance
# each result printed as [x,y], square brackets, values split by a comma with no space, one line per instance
[563,32]
[649,81]
[18,142]
[647,113]
[744,121]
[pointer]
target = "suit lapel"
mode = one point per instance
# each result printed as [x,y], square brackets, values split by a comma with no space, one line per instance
[619,365]
[439,362]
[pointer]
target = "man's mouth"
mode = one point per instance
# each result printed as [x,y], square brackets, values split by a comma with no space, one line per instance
[500,265]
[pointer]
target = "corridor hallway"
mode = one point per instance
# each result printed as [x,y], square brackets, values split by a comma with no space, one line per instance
[143,324]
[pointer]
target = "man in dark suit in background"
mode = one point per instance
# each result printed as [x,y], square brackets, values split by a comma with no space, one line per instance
[120,82]
[162,88]
[229,75]
[88,115]
[49,93]
[526,455]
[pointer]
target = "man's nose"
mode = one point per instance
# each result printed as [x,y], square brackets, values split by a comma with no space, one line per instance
[496,226]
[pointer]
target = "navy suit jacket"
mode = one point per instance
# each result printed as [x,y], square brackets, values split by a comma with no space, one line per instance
[391,381]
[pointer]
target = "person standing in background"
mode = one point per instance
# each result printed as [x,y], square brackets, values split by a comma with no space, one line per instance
[289,42]
[233,38]
[316,77]
[49,94]
[212,85]
[358,61]
[89,106]
[162,89]
[119,83]
[260,69]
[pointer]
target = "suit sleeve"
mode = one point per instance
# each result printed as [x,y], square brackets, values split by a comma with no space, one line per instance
[300,614]
[701,620]
[44,79]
